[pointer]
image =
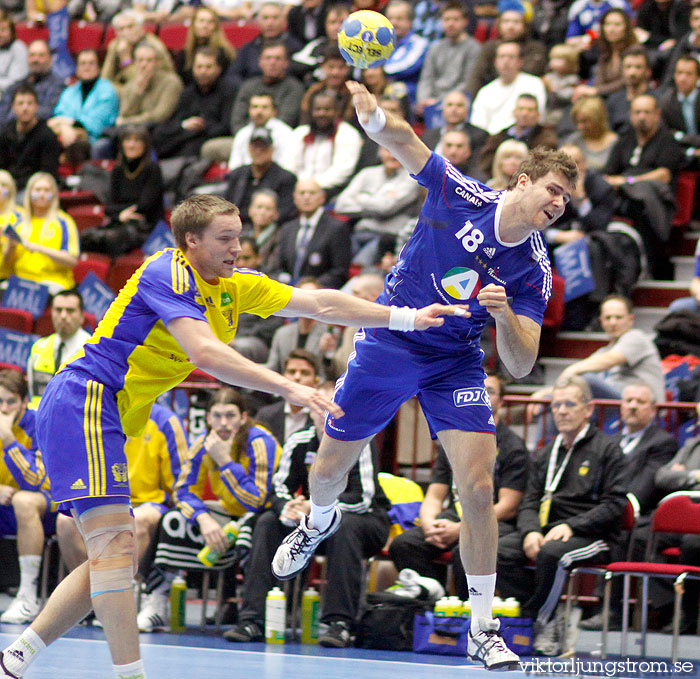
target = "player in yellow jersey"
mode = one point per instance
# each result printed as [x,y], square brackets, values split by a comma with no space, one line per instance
[177,312]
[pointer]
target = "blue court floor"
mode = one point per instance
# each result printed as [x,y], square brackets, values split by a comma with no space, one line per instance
[83,654]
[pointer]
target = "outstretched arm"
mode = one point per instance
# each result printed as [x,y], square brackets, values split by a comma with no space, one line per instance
[396,135]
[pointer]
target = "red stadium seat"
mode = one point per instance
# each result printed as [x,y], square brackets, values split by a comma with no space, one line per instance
[11,366]
[29,31]
[100,267]
[122,269]
[173,36]
[239,34]
[215,173]
[686,182]
[84,35]
[86,216]
[16,319]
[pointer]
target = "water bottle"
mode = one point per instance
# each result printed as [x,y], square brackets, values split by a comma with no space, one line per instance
[511,608]
[466,609]
[209,556]
[310,604]
[178,600]
[441,607]
[454,609]
[275,616]
[497,607]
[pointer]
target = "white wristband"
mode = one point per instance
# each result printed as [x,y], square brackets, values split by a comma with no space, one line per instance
[402,318]
[376,121]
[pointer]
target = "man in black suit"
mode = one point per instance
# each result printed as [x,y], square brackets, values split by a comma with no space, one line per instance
[646,448]
[680,108]
[283,418]
[315,244]
[262,173]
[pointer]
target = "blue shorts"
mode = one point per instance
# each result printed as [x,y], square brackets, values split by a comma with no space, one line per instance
[385,372]
[81,439]
[8,523]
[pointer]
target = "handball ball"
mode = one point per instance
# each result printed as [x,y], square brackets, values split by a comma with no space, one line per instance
[366,39]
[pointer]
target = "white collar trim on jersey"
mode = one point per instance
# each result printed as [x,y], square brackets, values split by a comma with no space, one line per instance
[497,225]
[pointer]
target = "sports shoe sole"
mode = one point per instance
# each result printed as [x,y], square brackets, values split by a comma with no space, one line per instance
[505,665]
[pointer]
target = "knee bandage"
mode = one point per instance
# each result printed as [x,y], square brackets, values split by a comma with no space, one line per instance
[108,532]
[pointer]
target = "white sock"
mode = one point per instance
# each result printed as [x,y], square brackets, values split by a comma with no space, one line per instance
[481,589]
[134,670]
[321,517]
[20,654]
[29,566]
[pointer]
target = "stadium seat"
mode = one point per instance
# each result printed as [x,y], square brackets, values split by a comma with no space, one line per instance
[95,263]
[239,34]
[86,216]
[71,199]
[173,36]
[16,319]
[122,269]
[685,197]
[11,366]
[29,31]
[84,35]
[216,172]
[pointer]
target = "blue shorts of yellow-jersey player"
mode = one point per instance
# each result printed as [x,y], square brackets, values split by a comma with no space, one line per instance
[8,523]
[81,439]
[384,373]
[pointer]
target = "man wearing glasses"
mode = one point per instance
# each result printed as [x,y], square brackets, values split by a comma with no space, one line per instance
[570,514]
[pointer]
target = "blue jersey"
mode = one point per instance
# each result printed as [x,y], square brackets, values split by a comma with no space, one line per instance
[455,250]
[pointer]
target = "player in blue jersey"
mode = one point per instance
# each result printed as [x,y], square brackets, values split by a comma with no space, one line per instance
[177,312]
[471,245]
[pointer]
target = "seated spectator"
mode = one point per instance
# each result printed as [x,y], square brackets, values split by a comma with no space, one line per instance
[645,449]
[87,107]
[47,85]
[12,215]
[103,10]
[593,136]
[236,10]
[457,149]
[13,53]
[281,417]
[455,112]
[665,21]
[119,63]
[688,44]
[362,533]
[328,148]
[616,35]
[304,333]
[305,22]
[406,62]
[315,244]
[636,76]
[511,26]
[440,512]
[135,203]
[26,499]
[274,79]
[262,112]
[629,356]
[335,73]
[151,94]
[570,514]
[254,333]
[305,63]
[238,457]
[203,111]
[680,108]
[27,145]
[641,167]
[586,18]
[204,31]
[272,23]
[493,106]
[449,61]
[526,128]
[49,353]
[155,461]
[506,161]
[379,200]
[262,173]
[338,343]
[560,80]
[49,245]
[264,228]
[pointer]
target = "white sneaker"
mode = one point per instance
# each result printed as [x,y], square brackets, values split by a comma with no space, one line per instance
[414,586]
[488,647]
[23,609]
[154,613]
[547,639]
[4,672]
[299,546]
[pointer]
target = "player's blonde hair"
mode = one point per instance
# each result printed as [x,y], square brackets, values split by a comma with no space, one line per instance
[196,213]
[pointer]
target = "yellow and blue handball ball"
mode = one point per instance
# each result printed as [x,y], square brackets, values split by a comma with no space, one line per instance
[366,39]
